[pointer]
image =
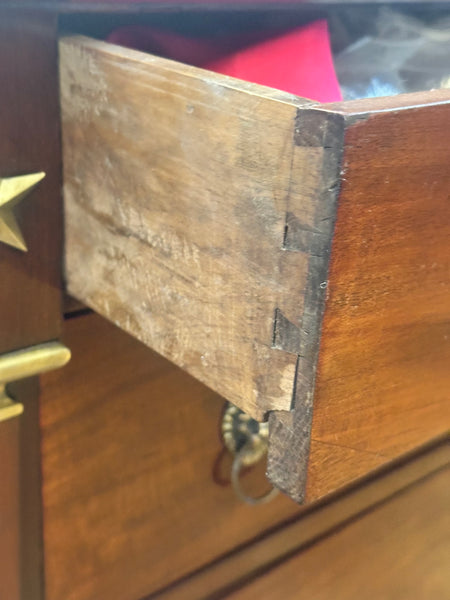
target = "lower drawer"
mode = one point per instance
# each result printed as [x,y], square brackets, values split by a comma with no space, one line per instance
[399,551]
[136,487]
[136,493]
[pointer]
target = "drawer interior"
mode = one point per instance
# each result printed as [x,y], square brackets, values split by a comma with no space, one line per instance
[347,26]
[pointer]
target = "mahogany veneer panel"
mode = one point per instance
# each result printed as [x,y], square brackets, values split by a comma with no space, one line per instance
[324,518]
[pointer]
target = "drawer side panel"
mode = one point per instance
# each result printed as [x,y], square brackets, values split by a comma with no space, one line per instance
[190,215]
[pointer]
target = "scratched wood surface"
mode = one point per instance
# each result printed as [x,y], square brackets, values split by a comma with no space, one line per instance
[383,376]
[198,213]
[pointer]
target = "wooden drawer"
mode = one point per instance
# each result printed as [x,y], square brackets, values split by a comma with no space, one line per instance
[292,256]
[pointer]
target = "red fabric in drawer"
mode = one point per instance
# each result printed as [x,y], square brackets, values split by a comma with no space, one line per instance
[299,61]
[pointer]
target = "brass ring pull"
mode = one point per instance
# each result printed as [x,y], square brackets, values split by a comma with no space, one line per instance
[239,462]
[247,440]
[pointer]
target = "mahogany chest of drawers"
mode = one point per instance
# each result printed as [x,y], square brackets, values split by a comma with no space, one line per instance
[248,246]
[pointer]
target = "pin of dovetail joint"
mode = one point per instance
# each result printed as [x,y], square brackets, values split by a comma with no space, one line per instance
[12,191]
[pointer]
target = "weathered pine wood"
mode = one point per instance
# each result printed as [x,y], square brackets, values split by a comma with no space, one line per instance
[136,484]
[383,377]
[397,551]
[198,214]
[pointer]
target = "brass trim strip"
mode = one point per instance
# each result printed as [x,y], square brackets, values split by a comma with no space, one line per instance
[8,408]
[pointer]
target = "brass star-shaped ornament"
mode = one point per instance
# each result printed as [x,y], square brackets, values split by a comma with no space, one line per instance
[12,191]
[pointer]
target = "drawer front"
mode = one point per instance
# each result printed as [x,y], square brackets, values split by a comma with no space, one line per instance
[383,378]
[201,214]
[136,484]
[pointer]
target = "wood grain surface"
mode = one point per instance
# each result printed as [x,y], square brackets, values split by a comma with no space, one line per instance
[136,485]
[252,560]
[397,552]
[198,211]
[30,298]
[21,554]
[383,374]
[21,573]
[26,391]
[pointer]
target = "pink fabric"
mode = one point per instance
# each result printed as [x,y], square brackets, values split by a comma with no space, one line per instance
[299,62]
